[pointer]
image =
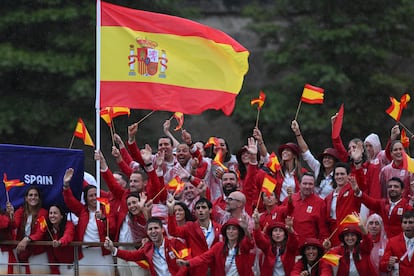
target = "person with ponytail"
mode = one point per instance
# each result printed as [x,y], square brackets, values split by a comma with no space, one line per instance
[61,232]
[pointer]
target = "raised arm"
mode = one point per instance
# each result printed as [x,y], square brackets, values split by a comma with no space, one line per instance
[299,138]
[395,133]
[249,189]
[308,157]
[124,152]
[257,134]
[132,145]
[108,177]
[67,237]
[154,186]
[122,165]
[337,143]
[71,202]
[372,204]
[167,132]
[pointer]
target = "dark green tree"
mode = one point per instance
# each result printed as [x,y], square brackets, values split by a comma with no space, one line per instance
[47,67]
[47,76]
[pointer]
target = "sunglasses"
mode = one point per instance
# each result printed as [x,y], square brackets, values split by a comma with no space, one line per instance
[230,199]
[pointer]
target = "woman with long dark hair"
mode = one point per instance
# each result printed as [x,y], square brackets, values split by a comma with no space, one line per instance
[322,166]
[278,244]
[25,221]
[355,250]
[309,264]
[134,232]
[182,213]
[62,233]
[291,170]
[232,255]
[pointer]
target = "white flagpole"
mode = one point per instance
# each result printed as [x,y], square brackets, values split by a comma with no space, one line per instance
[98,95]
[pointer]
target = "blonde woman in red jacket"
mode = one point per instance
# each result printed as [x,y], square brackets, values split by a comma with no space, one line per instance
[231,256]
[279,245]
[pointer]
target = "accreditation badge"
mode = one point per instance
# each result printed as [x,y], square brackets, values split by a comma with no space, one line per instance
[309,209]
[400,211]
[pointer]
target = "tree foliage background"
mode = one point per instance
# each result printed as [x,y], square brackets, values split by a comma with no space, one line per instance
[361,52]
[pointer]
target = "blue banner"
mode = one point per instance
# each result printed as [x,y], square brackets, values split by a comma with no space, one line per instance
[42,167]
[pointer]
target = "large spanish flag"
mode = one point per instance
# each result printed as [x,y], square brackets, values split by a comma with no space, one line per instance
[161,62]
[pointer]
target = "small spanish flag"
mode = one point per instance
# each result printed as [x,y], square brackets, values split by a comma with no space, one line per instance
[312,94]
[143,263]
[259,101]
[174,183]
[395,110]
[104,113]
[108,113]
[179,188]
[408,163]
[273,163]
[82,132]
[11,183]
[42,223]
[180,120]
[331,258]
[105,202]
[212,141]
[116,111]
[268,185]
[405,141]
[183,253]
[350,220]
[218,160]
